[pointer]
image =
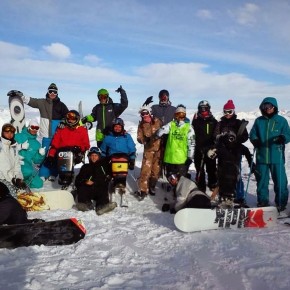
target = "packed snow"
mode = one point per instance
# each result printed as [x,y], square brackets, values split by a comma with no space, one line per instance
[139,247]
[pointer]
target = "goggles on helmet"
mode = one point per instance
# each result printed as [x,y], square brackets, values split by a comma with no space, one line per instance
[52,92]
[71,116]
[96,150]
[8,128]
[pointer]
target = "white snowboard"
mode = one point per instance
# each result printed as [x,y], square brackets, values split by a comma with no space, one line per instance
[48,200]
[196,219]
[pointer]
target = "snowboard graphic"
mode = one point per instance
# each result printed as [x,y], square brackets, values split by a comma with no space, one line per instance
[52,233]
[48,200]
[16,108]
[195,219]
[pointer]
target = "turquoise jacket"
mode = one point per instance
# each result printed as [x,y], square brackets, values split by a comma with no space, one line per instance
[266,130]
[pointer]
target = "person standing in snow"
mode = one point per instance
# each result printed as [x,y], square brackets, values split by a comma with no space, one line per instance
[229,133]
[180,143]
[52,111]
[105,112]
[92,183]
[10,169]
[204,124]
[269,135]
[32,154]
[150,168]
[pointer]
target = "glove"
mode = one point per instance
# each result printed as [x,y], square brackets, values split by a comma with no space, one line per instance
[61,125]
[188,162]
[132,164]
[19,183]
[120,89]
[280,140]
[211,153]
[256,143]
[84,120]
[41,151]
[24,145]
[49,162]
[76,150]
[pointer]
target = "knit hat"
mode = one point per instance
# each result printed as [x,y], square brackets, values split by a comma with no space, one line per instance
[52,86]
[180,108]
[229,105]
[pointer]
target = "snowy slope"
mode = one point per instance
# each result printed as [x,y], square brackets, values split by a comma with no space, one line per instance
[139,247]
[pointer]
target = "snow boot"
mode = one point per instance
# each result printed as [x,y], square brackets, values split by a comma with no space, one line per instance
[81,206]
[105,208]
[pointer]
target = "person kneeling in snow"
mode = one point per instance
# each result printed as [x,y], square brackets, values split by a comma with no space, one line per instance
[188,195]
[92,183]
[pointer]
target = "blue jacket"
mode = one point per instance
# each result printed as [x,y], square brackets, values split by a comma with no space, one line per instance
[123,143]
[266,130]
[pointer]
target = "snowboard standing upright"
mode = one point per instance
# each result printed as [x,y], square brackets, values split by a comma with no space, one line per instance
[17,111]
[52,233]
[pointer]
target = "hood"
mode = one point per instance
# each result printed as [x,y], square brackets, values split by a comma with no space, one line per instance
[270,100]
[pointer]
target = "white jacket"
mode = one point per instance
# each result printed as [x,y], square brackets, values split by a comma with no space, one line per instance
[9,160]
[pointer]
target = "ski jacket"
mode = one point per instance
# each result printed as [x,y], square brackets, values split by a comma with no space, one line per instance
[123,143]
[9,160]
[146,133]
[104,114]
[204,130]
[165,112]
[97,172]
[180,142]
[51,112]
[233,124]
[266,130]
[31,155]
[70,137]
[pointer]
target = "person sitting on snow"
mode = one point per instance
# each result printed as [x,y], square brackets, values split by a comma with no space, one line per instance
[92,183]
[32,154]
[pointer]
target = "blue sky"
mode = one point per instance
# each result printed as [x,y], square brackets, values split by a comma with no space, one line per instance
[213,50]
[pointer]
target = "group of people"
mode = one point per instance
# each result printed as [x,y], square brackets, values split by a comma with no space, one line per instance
[171,143]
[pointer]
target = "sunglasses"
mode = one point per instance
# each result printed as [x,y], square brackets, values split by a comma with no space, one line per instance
[52,92]
[228,112]
[33,127]
[9,129]
[144,113]
[71,116]
[267,106]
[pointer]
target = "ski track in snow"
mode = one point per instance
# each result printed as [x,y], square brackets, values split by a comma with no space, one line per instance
[139,248]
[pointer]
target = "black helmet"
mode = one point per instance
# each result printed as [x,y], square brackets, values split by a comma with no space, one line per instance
[203,104]
[118,121]
[72,118]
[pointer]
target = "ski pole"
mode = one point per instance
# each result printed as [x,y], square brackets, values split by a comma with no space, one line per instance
[280,178]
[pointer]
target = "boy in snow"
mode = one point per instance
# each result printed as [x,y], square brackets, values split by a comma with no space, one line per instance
[52,111]
[105,112]
[119,143]
[180,143]
[92,183]
[32,154]
[150,168]
[204,125]
[269,135]
[230,133]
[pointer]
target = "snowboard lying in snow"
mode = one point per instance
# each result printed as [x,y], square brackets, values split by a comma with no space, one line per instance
[196,219]
[48,200]
[52,233]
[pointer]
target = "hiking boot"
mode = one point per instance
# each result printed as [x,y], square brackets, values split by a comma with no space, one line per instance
[105,208]
[81,206]
[140,195]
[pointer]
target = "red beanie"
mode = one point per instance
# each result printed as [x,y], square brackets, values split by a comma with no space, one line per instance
[229,105]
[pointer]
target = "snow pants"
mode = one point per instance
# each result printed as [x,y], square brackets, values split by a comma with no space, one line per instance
[97,192]
[280,181]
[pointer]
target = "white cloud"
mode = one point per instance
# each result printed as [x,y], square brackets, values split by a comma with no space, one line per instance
[92,59]
[246,15]
[204,14]
[58,50]
[9,50]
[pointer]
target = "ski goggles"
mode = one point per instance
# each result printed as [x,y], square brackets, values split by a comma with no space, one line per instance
[33,127]
[71,116]
[52,92]
[180,115]
[229,112]
[94,150]
[267,106]
[204,108]
[8,128]
[102,97]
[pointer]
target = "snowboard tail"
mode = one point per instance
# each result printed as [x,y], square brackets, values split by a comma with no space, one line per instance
[52,233]
[194,219]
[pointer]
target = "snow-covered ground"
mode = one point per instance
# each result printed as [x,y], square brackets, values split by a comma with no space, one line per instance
[139,247]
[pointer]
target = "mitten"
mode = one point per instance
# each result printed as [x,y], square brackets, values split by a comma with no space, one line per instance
[25,145]
[280,140]
[41,151]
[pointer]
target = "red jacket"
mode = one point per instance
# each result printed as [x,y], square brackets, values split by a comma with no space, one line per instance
[67,137]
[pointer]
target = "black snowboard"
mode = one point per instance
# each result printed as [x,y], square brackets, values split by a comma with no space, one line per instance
[52,233]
